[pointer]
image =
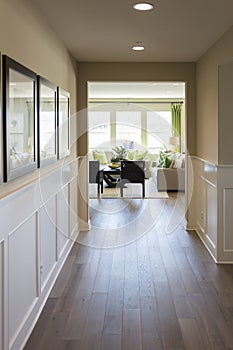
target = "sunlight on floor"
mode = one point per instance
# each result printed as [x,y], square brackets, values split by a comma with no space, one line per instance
[116,222]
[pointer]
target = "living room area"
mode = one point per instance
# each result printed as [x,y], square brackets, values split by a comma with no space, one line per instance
[136,122]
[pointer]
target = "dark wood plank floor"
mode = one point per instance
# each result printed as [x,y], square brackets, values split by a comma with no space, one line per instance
[138,281]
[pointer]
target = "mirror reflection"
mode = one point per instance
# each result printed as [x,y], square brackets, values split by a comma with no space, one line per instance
[47,122]
[21,121]
[63,124]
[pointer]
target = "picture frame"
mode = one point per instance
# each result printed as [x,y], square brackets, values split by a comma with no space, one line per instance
[19,119]
[47,122]
[63,123]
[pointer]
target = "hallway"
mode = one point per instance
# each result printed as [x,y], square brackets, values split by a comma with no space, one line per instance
[133,285]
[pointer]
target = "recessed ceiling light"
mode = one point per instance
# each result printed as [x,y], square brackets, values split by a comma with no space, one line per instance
[138,48]
[143,6]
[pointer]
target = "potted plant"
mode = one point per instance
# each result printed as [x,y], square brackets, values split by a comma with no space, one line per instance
[119,153]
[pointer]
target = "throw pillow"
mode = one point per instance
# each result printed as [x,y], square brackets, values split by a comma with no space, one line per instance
[100,156]
[183,161]
[165,159]
[172,164]
[168,162]
[131,155]
[160,161]
[178,163]
[140,155]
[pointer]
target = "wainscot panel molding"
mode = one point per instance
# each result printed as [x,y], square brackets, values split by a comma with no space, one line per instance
[48,240]
[39,224]
[205,197]
[225,217]
[190,205]
[23,274]
[213,198]
[73,185]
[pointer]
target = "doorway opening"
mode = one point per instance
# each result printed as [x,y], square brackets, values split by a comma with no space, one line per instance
[145,120]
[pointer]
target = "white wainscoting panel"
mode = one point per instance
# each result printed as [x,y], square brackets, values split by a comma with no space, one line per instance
[211,214]
[23,274]
[73,190]
[213,196]
[48,239]
[205,197]
[63,230]
[225,216]
[228,219]
[189,194]
[38,229]
[201,207]
[1,292]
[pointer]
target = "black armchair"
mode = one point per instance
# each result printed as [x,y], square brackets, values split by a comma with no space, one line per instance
[96,175]
[133,172]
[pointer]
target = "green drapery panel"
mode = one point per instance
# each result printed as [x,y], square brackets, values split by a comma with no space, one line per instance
[176,109]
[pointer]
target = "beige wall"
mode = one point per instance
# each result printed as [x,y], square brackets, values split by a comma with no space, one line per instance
[142,72]
[225,109]
[25,37]
[207,103]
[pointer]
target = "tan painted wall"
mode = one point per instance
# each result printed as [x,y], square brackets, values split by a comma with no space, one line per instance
[225,113]
[25,37]
[207,103]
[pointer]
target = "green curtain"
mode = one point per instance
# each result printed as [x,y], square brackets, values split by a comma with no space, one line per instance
[176,109]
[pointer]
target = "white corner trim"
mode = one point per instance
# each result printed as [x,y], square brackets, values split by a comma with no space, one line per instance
[84,226]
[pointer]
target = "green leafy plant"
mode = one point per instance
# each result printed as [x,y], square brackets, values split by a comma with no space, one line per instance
[165,158]
[119,153]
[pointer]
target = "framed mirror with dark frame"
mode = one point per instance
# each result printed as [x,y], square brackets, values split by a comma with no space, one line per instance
[47,130]
[63,123]
[19,119]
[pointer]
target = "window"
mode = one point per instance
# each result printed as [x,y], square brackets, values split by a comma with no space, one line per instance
[149,126]
[99,130]
[128,126]
[158,129]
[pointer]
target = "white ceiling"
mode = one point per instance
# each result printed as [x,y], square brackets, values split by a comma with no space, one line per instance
[136,90]
[105,30]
